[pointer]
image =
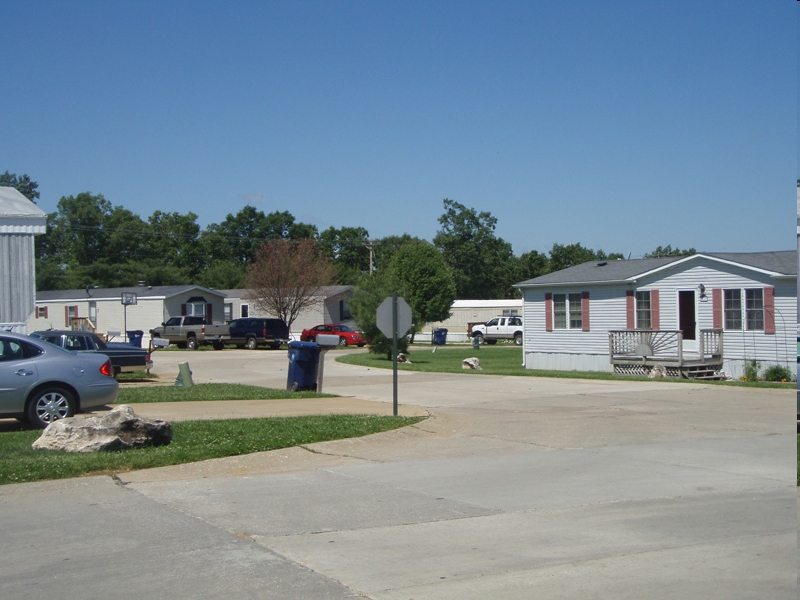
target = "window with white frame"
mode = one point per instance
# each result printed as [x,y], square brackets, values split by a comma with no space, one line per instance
[567,311]
[744,309]
[195,309]
[227,311]
[244,311]
[644,319]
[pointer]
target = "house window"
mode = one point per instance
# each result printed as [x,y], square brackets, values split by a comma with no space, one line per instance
[227,312]
[567,311]
[754,306]
[752,317]
[71,313]
[344,312]
[41,312]
[643,314]
[196,309]
[510,312]
[245,311]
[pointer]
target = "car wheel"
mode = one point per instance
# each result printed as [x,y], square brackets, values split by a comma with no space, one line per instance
[48,405]
[478,337]
[252,344]
[294,387]
[343,341]
[491,342]
[218,345]
[191,343]
[518,339]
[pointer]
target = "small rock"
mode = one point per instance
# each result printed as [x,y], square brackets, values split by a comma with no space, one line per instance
[471,363]
[119,429]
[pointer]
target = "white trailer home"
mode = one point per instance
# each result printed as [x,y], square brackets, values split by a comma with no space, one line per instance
[20,220]
[697,316]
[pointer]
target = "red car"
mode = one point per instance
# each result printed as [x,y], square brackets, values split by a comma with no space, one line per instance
[347,336]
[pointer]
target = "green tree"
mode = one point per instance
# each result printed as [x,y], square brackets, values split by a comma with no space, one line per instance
[532,264]
[367,297]
[223,275]
[563,257]
[429,288]
[347,248]
[23,184]
[481,262]
[669,251]
[384,249]
[174,239]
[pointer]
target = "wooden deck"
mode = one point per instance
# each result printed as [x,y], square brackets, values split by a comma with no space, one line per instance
[640,351]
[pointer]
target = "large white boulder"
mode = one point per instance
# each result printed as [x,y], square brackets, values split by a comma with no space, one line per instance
[119,429]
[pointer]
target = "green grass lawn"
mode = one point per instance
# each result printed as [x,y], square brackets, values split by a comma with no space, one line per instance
[506,359]
[206,391]
[192,441]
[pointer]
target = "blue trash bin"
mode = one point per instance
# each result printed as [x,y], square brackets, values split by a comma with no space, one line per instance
[440,337]
[303,366]
[135,337]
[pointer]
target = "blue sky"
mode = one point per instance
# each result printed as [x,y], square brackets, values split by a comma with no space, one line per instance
[620,125]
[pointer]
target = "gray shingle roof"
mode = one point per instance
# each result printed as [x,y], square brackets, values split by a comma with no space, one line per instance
[156,291]
[779,263]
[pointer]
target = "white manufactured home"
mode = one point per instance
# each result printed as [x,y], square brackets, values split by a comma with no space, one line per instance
[113,311]
[702,315]
[20,221]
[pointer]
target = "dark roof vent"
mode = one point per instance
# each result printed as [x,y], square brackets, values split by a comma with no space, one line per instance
[602,264]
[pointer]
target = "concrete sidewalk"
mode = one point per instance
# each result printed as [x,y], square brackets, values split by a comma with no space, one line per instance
[513,488]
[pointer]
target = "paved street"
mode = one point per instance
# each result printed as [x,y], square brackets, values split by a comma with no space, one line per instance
[513,488]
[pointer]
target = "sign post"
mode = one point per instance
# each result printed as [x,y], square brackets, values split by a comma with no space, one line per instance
[128,299]
[393,318]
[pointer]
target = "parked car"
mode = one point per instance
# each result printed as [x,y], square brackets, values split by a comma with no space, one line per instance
[40,382]
[499,328]
[191,332]
[347,336]
[252,332]
[125,358]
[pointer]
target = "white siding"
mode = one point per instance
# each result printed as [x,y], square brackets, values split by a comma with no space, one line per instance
[571,350]
[17,278]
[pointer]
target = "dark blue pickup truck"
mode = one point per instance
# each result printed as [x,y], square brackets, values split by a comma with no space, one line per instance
[254,332]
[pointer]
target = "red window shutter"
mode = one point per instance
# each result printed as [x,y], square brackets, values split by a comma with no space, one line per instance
[769,310]
[716,308]
[630,310]
[208,314]
[183,310]
[36,311]
[45,312]
[585,311]
[548,312]
[655,310]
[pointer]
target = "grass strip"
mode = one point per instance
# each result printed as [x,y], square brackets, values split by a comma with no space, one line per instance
[506,359]
[207,391]
[192,441]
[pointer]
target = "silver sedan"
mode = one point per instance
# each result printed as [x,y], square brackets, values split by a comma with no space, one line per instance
[40,383]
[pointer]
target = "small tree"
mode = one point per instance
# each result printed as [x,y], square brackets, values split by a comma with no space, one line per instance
[367,297]
[287,277]
[421,270]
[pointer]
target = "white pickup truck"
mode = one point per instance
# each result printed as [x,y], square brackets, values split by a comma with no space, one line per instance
[499,328]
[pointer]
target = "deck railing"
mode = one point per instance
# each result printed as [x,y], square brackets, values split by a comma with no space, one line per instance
[661,345]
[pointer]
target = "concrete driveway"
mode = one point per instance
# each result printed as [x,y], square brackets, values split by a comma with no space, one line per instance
[513,488]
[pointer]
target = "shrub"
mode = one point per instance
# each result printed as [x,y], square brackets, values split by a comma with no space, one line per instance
[777,373]
[751,368]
